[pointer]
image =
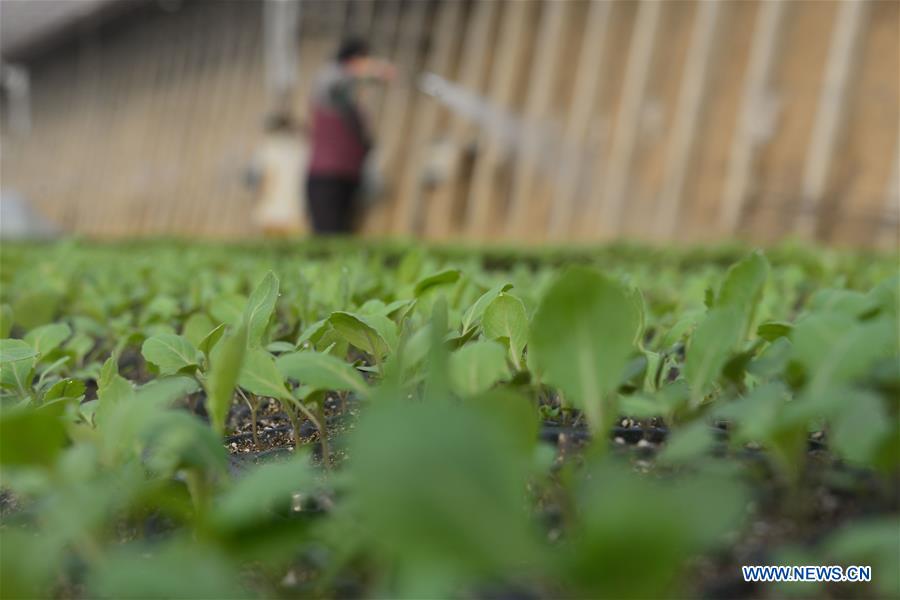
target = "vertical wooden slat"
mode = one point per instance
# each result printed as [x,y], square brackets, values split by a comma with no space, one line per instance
[849,28]
[474,65]
[763,58]
[640,62]
[408,213]
[481,194]
[694,83]
[890,234]
[397,108]
[362,13]
[548,49]
[591,61]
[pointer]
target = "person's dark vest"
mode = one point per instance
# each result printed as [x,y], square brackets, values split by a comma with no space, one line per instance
[337,148]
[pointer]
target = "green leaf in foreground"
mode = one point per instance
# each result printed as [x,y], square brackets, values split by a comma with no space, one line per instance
[254,497]
[581,337]
[321,371]
[476,367]
[225,368]
[505,318]
[30,437]
[170,353]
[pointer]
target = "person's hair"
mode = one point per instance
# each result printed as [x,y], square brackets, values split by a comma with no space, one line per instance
[352,47]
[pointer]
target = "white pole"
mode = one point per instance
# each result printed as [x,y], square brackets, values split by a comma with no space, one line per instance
[591,66]
[640,61]
[754,103]
[832,108]
[687,116]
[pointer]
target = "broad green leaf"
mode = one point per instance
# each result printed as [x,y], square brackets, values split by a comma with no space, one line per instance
[712,344]
[470,516]
[225,369]
[196,327]
[64,388]
[228,308]
[476,367]
[505,317]
[743,288]
[368,333]
[112,391]
[16,377]
[260,376]
[772,330]
[211,339]
[167,390]
[430,282]
[581,337]
[260,307]
[312,333]
[280,347]
[13,350]
[79,345]
[473,314]
[322,371]
[47,338]
[170,353]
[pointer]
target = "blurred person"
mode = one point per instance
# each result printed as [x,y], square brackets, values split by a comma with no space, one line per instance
[340,139]
[277,174]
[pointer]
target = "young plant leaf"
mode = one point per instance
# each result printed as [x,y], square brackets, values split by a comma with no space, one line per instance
[170,353]
[196,327]
[505,318]
[260,307]
[476,367]
[321,371]
[445,277]
[373,334]
[211,339]
[581,337]
[12,350]
[47,338]
[225,369]
[710,347]
[260,376]
[743,288]
[474,313]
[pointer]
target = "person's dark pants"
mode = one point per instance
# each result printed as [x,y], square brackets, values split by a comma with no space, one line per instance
[332,203]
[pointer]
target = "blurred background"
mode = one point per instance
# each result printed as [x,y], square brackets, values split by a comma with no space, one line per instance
[535,120]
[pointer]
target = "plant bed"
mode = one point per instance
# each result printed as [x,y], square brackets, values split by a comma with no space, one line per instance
[340,420]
